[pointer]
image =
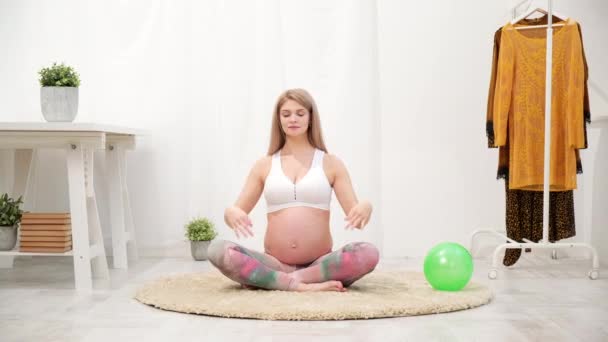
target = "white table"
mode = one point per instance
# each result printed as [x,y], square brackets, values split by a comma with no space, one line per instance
[79,140]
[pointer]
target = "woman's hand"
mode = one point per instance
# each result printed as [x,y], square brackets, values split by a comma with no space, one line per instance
[359,215]
[238,220]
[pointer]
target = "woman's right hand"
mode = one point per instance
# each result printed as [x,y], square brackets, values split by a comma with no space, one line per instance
[238,220]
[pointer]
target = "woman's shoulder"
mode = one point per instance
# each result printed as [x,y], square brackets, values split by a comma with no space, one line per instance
[263,162]
[331,159]
[262,166]
[332,163]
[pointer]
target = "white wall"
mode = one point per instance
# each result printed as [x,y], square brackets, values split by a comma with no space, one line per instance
[401,87]
[592,199]
[131,59]
[438,176]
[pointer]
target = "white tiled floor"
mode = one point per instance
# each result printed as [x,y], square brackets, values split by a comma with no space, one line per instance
[538,300]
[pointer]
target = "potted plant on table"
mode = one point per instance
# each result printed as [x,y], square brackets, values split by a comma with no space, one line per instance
[200,232]
[10,216]
[59,93]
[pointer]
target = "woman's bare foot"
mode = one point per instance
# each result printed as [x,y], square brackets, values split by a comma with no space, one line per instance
[332,285]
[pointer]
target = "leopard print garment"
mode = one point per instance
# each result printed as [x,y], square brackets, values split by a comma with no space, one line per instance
[524,218]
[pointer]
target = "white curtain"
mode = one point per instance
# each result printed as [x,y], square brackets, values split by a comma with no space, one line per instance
[243,55]
[201,78]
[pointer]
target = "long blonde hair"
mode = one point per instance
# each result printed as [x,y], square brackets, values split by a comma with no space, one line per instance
[314,133]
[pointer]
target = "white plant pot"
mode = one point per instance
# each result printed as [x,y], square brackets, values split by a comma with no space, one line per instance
[59,104]
[199,249]
[8,237]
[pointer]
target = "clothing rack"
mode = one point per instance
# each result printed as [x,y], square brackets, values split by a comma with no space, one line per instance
[544,243]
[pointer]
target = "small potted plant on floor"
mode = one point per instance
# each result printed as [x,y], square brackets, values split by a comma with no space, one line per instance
[200,232]
[10,216]
[59,93]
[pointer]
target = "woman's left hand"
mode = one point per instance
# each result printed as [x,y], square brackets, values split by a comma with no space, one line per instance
[359,215]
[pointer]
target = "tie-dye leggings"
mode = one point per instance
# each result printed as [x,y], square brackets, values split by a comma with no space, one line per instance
[248,267]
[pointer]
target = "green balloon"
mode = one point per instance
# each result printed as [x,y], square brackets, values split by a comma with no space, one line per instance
[448,267]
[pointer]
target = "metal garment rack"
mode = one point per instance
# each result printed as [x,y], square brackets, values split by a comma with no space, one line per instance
[544,243]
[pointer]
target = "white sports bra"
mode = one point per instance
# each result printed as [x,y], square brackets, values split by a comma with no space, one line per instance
[313,190]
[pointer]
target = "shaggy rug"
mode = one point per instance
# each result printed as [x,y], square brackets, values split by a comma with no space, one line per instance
[379,294]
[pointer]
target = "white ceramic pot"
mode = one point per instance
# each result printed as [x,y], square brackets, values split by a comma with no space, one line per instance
[199,249]
[59,104]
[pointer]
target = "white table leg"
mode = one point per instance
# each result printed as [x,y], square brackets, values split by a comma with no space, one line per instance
[78,212]
[117,205]
[130,227]
[6,170]
[23,171]
[25,177]
[100,263]
[23,174]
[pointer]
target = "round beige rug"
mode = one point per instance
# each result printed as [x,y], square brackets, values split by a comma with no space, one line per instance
[379,294]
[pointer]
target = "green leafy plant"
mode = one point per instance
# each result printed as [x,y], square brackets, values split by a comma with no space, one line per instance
[200,229]
[10,214]
[59,76]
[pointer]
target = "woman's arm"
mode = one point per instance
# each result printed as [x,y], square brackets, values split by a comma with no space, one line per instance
[357,212]
[236,216]
[254,185]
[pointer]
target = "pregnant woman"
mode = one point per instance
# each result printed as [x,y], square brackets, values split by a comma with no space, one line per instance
[297,177]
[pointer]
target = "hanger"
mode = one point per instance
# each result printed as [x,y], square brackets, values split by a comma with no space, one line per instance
[529,12]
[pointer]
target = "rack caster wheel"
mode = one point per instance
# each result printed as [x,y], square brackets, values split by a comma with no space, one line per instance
[493,274]
[593,274]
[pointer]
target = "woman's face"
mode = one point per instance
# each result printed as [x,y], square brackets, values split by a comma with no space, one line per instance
[294,118]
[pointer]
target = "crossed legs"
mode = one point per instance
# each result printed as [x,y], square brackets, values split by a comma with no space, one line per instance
[333,271]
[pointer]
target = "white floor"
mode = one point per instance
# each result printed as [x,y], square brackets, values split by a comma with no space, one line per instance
[538,300]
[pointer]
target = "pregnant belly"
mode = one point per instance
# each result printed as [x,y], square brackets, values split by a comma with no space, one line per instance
[298,235]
